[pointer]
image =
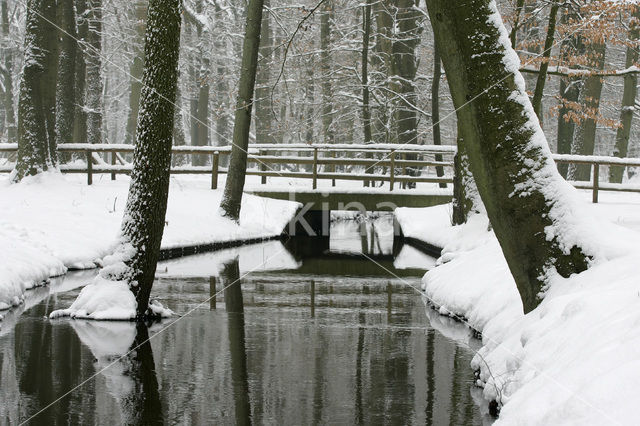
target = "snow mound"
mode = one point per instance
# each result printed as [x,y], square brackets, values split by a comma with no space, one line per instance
[104,299]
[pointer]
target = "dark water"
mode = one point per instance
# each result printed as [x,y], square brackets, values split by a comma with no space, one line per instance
[322,337]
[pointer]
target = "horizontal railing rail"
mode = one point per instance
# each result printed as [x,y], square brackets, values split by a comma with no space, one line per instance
[399,164]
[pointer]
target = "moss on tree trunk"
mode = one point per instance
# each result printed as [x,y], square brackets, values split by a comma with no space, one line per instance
[508,156]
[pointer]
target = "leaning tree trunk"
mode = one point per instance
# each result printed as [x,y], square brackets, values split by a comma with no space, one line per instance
[94,73]
[143,223]
[32,129]
[584,139]
[628,100]
[232,198]
[65,91]
[508,153]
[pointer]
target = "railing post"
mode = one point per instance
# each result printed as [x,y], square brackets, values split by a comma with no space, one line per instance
[315,168]
[333,168]
[596,181]
[263,167]
[89,167]
[215,161]
[392,170]
[113,163]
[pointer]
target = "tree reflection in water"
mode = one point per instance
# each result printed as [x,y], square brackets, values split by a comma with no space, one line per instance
[234,305]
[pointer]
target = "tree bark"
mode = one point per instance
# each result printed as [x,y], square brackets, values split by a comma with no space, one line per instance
[569,94]
[264,114]
[50,17]
[65,91]
[94,73]
[366,33]
[80,121]
[544,66]
[629,94]
[135,71]
[516,24]
[32,125]
[435,108]
[7,51]
[232,197]
[584,139]
[326,77]
[143,223]
[508,154]
[466,200]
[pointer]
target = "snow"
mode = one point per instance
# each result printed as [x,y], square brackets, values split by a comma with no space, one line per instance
[51,223]
[572,360]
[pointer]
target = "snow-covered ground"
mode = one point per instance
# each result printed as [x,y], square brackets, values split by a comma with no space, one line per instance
[573,360]
[51,223]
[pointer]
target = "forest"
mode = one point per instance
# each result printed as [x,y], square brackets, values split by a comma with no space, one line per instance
[465,171]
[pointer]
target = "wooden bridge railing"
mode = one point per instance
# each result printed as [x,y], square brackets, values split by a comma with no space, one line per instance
[396,164]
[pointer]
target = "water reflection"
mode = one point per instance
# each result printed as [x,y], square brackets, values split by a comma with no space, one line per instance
[235,327]
[307,344]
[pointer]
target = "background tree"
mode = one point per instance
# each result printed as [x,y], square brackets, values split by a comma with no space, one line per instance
[232,197]
[33,110]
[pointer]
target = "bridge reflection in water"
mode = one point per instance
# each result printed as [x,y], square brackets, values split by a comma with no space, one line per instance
[306,339]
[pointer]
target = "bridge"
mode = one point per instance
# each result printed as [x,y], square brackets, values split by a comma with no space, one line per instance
[371,177]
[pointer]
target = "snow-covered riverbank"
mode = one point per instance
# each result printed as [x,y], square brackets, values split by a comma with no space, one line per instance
[51,223]
[573,360]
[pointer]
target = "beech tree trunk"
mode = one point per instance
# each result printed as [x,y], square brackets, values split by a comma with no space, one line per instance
[325,68]
[94,73]
[544,66]
[366,33]
[264,114]
[584,139]
[135,71]
[435,108]
[9,111]
[629,94]
[80,121]
[65,91]
[232,197]
[143,223]
[33,147]
[508,154]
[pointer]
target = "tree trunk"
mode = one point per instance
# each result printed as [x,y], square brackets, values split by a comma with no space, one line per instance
[80,121]
[466,199]
[584,140]
[435,108]
[32,125]
[9,112]
[628,100]
[135,71]
[65,91]
[325,69]
[366,33]
[569,94]
[516,24]
[143,223]
[232,198]
[50,78]
[264,114]
[405,66]
[508,154]
[94,73]
[544,66]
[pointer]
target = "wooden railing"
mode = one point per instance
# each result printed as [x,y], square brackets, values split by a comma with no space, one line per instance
[398,165]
